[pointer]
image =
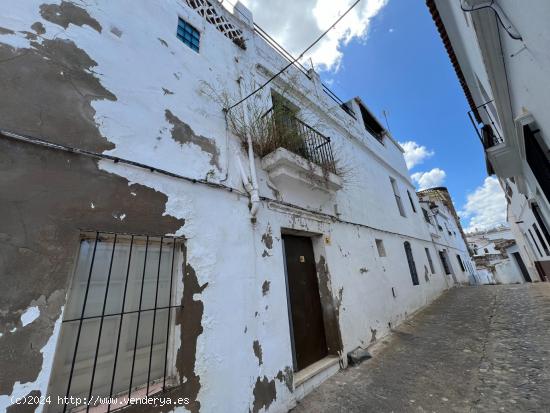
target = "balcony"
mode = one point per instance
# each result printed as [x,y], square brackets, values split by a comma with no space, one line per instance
[295,151]
[285,130]
[501,158]
[488,133]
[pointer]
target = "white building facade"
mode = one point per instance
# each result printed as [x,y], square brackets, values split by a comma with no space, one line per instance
[447,235]
[499,259]
[148,249]
[499,50]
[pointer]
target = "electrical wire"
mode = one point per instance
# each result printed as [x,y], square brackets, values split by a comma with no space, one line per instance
[99,156]
[292,62]
[490,6]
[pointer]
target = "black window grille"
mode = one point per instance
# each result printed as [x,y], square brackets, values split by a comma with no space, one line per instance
[117,337]
[460,263]
[432,269]
[412,265]
[541,240]
[188,34]
[411,201]
[426,216]
[397,197]
[540,220]
[444,262]
[535,242]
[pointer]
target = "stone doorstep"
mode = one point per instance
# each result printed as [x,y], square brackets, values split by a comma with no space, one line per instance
[313,370]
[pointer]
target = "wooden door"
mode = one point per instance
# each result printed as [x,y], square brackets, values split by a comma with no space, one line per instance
[308,331]
[522,267]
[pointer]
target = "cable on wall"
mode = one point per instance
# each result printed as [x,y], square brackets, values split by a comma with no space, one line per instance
[293,61]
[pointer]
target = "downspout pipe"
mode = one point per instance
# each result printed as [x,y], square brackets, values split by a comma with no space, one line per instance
[250,183]
[254,194]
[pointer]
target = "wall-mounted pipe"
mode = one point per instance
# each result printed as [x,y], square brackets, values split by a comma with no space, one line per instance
[254,194]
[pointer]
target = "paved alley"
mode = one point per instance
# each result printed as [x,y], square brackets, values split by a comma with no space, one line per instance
[481,349]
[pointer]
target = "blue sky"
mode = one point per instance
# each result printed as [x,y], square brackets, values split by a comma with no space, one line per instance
[390,54]
[403,68]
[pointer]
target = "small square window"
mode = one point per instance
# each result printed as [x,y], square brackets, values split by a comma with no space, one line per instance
[380,248]
[188,34]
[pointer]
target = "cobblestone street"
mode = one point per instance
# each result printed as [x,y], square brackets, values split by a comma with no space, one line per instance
[481,349]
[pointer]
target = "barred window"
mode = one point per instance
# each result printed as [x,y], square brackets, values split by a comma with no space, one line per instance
[432,269]
[444,262]
[412,265]
[117,336]
[188,34]
[460,263]
[426,216]
[397,197]
[411,201]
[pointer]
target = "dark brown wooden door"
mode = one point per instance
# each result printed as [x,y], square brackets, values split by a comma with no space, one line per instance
[308,330]
[522,267]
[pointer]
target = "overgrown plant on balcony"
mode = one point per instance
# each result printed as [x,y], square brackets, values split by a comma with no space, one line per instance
[272,125]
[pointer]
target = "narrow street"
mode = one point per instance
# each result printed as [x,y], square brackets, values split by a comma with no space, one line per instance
[481,349]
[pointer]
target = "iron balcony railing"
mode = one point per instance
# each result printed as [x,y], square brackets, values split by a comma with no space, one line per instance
[295,135]
[287,56]
[488,134]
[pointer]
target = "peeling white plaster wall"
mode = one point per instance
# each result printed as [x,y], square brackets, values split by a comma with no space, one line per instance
[30,314]
[223,247]
[41,382]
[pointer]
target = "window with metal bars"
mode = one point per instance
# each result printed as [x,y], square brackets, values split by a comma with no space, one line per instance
[397,197]
[444,262]
[117,336]
[412,265]
[188,34]
[541,240]
[432,269]
[460,263]
[411,201]
[426,216]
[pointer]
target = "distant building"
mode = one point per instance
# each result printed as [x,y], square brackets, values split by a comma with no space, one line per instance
[447,235]
[499,50]
[498,258]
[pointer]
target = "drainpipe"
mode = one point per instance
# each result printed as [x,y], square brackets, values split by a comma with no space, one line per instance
[254,194]
[250,184]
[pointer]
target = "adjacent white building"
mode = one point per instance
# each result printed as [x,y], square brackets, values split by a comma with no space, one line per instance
[447,235]
[499,259]
[227,259]
[499,50]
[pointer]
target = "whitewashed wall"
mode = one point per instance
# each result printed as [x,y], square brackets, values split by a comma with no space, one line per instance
[139,59]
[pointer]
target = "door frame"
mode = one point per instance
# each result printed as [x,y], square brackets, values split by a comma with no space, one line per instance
[329,309]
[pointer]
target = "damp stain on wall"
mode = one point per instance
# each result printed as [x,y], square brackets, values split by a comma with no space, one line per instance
[68,13]
[182,133]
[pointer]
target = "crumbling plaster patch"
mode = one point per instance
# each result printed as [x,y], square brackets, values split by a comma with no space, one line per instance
[68,13]
[30,314]
[182,133]
[41,382]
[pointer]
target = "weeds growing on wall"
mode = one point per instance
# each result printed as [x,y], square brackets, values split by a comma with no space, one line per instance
[272,121]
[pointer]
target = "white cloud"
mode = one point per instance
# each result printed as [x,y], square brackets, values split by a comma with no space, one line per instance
[485,207]
[429,179]
[296,24]
[414,153]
